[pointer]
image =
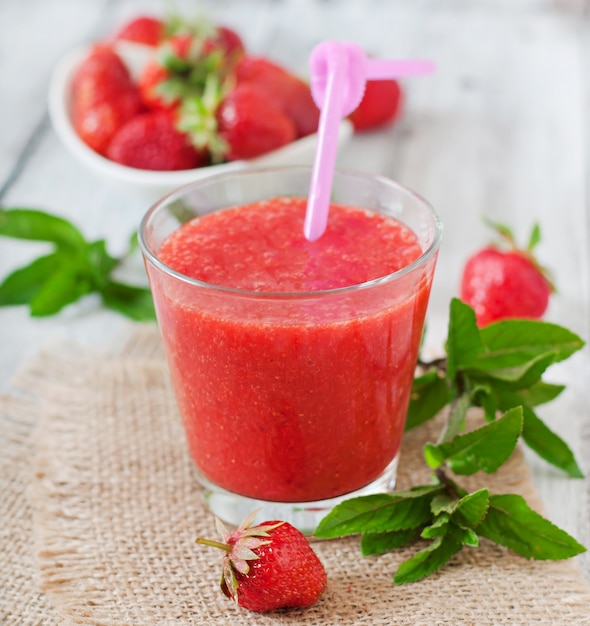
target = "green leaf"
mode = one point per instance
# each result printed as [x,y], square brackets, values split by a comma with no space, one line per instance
[133,243]
[513,524]
[63,287]
[134,302]
[438,527]
[484,449]
[20,286]
[379,543]
[432,558]
[535,237]
[464,535]
[539,393]
[511,343]
[463,344]
[548,445]
[99,262]
[540,438]
[430,394]
[457,417]
[518,376]
[482,395]
[39,226]
[472,508]
[399,510]
[443,503]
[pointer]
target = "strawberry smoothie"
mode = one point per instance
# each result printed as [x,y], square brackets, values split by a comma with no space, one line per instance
[292,362]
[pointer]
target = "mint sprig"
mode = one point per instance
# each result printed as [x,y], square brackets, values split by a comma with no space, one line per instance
[498,368]
[74,268]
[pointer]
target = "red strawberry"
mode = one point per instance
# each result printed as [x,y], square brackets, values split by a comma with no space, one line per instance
[288,91]
[506,283]
[251,124]
[227,40]
[381,104]
[152,142]
[269,566]
[143,29]
[103,97]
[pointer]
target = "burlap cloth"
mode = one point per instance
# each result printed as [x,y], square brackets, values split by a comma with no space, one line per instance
[99,511]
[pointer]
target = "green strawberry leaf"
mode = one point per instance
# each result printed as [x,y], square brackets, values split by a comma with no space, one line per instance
[484,449]
[535,238]
[510,522]
[39,226]
[428,560]
[430,394]
[395,511]
[379,543]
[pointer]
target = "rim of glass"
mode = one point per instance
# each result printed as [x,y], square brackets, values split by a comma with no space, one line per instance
[152,257]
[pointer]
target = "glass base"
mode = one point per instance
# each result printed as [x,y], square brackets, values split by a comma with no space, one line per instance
[232,508]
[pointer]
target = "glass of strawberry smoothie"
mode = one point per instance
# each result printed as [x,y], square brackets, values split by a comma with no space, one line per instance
[292,361]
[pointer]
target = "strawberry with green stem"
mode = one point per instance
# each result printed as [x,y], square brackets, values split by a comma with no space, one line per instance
[504,281]
[268,566]
[151,141]
[234,123]
[180,69]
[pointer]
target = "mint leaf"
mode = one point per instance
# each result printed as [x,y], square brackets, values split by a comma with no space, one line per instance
[472,508]
[39,226]
[430,394]
[510,343]
[539,393]
[98,262]
[538,436]
[513,524]
[134,302]
[22,284]
[440,526]
[63,287]
[377,513]
[379,543]
[519,376]
[484,449]
[432,558]
[457,417]
[548,445]
[464,343]
[75,268]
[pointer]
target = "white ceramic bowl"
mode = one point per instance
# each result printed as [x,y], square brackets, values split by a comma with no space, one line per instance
[147,184]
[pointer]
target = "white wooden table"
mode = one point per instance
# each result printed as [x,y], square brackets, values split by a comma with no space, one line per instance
[498,131]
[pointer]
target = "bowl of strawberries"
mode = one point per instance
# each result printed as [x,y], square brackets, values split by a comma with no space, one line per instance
[160,104]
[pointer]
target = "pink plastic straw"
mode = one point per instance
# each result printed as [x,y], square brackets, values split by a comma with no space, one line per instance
[339,72]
